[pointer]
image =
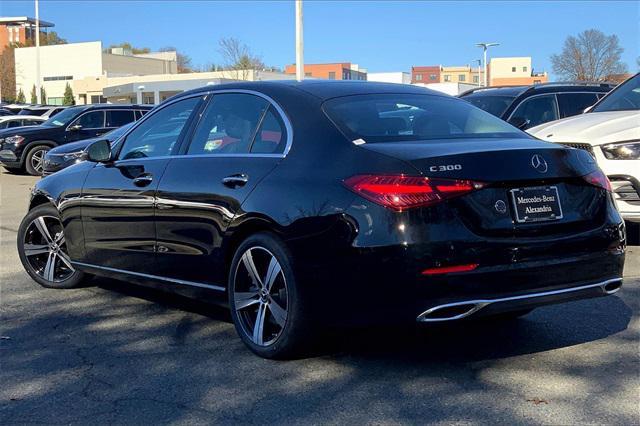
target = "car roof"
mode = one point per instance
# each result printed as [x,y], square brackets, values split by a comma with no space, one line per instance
[22,117]
[115,106]
[516,91]
[322,89]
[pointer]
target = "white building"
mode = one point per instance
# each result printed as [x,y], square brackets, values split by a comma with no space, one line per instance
[390,77]
[153,89]
[64,63]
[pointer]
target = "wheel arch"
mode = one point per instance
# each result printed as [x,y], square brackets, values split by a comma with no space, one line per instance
[240,231]
[31,144]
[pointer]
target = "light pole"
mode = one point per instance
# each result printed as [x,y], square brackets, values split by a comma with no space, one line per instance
[486,46]
[38,91]
[299,42]
[479,61]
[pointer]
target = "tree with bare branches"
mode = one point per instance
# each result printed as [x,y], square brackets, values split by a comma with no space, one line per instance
[238,57]
[591,56]
[184,61]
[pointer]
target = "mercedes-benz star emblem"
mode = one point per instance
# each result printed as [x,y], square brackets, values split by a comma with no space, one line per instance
[500,206]
[539,163]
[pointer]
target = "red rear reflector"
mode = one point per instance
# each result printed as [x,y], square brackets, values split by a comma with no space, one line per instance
[400,192]
[598,179]
[450,269]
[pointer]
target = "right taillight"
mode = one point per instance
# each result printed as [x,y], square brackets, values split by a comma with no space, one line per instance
[401,192]
[598,179]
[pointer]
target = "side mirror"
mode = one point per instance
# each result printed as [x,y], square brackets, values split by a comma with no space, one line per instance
[75,127]
[99,151]
[519,122]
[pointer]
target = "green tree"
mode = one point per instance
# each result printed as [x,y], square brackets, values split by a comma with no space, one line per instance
[21,98]
[43,95]
[34,97]
[68,96]
[127,46]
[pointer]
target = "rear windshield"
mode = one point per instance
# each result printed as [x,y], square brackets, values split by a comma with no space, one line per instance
[401,117]
[493,104]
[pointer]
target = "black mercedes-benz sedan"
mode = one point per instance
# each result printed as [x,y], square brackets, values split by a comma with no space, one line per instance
[307,204]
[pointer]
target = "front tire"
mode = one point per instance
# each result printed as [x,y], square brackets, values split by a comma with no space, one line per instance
[43,251]
[34,161]
[266,302]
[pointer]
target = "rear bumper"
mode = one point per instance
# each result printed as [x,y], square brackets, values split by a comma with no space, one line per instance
[480,307]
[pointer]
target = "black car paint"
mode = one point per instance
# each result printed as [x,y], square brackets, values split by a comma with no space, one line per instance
[181,231]
[54,135]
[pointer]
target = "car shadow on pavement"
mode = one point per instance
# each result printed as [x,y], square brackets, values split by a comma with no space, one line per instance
[117,353]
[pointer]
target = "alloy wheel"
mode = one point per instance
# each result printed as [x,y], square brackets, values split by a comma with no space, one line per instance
[37,160]
[46,251]
[260,296]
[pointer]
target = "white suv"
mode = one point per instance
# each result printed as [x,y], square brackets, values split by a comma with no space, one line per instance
[610,131]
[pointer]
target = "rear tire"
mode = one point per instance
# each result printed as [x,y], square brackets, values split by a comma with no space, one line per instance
[267,304]
[43,251]
[34,161]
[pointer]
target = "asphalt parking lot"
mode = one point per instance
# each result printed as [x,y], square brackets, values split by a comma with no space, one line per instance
[110,353]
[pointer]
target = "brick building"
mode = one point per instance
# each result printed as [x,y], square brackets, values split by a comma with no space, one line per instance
[331,71]
[20,29]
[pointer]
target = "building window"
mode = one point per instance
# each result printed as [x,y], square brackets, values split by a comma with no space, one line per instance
[58,78]
[475,79]
[513,69]
[537,81]
[462,77]
[54,101]
[524,69]
[447,77]
[97,99]
[432,77]
[418,77]
[332,75]
[307,74]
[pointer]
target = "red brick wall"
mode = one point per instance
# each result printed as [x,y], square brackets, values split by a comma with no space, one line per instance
[422,74]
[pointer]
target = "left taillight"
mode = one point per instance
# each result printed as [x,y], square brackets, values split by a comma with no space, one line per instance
[401,192]
[598,179]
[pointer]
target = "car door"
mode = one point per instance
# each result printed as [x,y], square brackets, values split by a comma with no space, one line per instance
[240,137]
[88,125]
[536,110]
[118,197]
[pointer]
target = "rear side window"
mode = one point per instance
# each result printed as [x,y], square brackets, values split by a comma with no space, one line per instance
[120,117]
[229,124]
[157,135]
[15,123]
[91,120]
[537,110]
[402,117]
[575,103]
[271,137]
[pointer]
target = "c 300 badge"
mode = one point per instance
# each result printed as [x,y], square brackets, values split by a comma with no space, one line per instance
[445,168]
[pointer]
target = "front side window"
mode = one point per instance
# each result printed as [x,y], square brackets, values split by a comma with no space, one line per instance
[575,103]
[625,97]
[158,134]
[229,124]
[120,117]
[91,120]
[405,117]
[537,110]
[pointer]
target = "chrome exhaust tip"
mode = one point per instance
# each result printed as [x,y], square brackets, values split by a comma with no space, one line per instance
[450,312]
[612,286]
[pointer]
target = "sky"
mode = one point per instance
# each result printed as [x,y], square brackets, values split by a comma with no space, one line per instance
[377,35]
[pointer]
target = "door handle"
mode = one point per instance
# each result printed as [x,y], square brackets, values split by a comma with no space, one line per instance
[143,180]
[234,181]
